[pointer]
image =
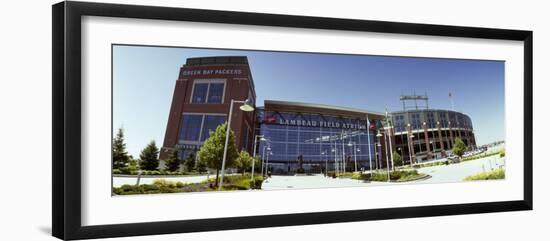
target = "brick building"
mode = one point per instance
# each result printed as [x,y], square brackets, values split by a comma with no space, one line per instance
[201,101]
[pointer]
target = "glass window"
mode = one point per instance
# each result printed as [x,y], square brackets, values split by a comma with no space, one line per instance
[208,92]
[415,121]
[211,122]
[431,120]
[215,93]
[399,122]
[191,127]
[199,93]
[443,119]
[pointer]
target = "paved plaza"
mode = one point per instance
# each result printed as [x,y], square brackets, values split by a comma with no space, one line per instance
[439,174]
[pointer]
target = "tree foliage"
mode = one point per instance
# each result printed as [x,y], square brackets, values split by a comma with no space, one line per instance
[173,162]
[211,152]
[257,163]
[201,166]
[397,160]
[120,155]
[459,147]
[149,157]
[243,161]
[190,162]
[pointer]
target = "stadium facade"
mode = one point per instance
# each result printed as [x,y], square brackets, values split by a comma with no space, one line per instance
[302,137]
[201,101]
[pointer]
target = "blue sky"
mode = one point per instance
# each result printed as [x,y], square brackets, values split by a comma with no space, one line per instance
[144,79]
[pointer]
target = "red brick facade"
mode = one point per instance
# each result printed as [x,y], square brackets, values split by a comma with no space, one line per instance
[235,72]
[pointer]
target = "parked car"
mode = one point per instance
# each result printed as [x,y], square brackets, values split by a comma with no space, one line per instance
[453,158]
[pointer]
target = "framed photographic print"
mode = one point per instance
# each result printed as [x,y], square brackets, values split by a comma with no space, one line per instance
[229,120]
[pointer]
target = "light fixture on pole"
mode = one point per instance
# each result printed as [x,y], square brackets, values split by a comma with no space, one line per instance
[343,153]
[254,155]
[246,107]
[359,150]
[269,153]
[352,144]
[388,134]
[433,148]
[324,153]
[263,159]
[267,160]
[379,136]
[368,141]
[335,161]
[401,153]
[411,146]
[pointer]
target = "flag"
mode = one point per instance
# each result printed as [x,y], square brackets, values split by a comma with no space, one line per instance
[271,119]
[371,125]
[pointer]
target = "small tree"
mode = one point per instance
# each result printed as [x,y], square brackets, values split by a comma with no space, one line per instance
[459,148]
[149,157]
[397,161]
[201,166]
[173,162]
[133,166]
[257,163]
[190,162]
[243,161]
[120,155]
[211,152]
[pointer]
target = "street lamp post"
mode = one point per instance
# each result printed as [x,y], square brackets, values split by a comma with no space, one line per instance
[354,154]
[379,136]
[388,134]
[401,152]
[263,160]
[269,153]
[359,150]
[343,154]
[335,160]
[247,107]
[386,151]
[411,146]
[324,153]
[254,155]
[433,147]
[388,131]
[368,141]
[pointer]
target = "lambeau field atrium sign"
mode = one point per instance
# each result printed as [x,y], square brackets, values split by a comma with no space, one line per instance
[324,124]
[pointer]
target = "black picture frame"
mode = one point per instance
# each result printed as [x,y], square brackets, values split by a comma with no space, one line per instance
[66,183]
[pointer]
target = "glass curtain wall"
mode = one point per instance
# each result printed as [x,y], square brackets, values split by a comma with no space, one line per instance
[314,147]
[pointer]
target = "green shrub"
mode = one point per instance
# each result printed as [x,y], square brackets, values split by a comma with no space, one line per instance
[234,182]
[431,164]
[481,156]
[149,188]
[345,174]
[397,175]
[164,183]
[361,176]
[117,171]
[379,176]
[490,175]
